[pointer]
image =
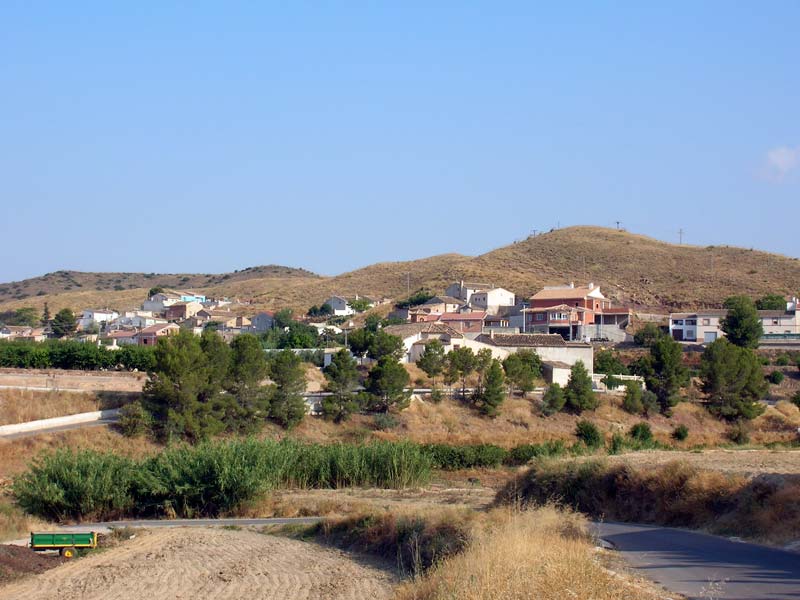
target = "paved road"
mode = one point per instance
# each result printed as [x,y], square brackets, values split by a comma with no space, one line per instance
[703,566]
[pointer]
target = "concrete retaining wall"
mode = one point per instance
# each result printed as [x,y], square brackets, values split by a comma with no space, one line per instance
[97,415]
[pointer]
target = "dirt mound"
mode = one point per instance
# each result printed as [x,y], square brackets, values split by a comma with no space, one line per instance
[210,563]
[16,561]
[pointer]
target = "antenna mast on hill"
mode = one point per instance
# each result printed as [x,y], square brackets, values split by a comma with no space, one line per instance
[680,236]
[618,224]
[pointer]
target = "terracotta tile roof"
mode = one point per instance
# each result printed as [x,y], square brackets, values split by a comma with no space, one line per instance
[518,340]
[479,315]
[577,293]
[444,300]
[408,329]
[156,328]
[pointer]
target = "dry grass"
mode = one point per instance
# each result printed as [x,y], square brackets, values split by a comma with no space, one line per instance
[16,455]
[16,524]
[543,553]
[19,406]
[764,508]
[633,269]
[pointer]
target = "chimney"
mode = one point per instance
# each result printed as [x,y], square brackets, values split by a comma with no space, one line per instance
[591,285]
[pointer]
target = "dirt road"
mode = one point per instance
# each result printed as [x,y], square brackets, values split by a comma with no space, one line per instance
[210,563]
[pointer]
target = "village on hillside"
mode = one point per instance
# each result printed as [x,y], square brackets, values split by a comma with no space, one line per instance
[563,324]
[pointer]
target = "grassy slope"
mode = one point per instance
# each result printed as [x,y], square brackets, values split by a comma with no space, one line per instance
[633,269]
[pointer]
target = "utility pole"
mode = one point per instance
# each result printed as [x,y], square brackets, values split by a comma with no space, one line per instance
[680,235]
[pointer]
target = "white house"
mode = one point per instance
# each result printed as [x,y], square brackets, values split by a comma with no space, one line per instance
[341,307]
[491,300]
[463,291]
[92,317]
[159,302]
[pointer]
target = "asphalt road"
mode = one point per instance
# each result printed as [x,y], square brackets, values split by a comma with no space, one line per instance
[703,566]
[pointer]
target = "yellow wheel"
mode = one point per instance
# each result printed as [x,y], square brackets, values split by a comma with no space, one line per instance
[68,552]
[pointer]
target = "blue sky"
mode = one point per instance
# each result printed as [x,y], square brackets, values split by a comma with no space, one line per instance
[205,137]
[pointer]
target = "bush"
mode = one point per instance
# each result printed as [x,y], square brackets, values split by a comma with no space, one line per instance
[553,400]
[134,420]
[588,433]
[384,421]
[641,432]
[77,485]
[452,458]
[436,395]
[739,433]
[796,399]
[525,453]
[680,433]
[783,360]
[776,377]
[207,479]
[632,402]
[617,444]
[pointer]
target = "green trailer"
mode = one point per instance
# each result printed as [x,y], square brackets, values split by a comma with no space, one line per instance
[66,543]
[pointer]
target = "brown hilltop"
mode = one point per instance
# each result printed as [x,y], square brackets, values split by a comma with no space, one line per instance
[632,269]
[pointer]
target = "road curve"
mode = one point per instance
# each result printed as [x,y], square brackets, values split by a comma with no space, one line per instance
[701,566]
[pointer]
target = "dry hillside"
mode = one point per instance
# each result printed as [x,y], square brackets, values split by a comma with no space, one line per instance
[633,269]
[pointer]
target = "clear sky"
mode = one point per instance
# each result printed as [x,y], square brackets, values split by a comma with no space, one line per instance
[208,136]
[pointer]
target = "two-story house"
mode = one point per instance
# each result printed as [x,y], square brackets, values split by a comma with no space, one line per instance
[576,313]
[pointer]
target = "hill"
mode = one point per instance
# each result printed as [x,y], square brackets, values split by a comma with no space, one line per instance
[632,269]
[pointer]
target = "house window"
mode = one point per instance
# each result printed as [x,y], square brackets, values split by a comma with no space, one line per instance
[706,322]
[540,316]
[775,321]
[678,322]
[691,321]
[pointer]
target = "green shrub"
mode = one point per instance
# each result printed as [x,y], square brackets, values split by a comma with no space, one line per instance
[384,421]
[134,420]
[739,433]
[553,400]
[796,399]
[588,433]
[776,377]
[208,479]
[680,433]
[783,360]
[617,444]
[632,402]
[451,458]
[525,453]
[77,485]
[641,432]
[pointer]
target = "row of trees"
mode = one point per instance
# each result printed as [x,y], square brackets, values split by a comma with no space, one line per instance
[71,354]
[62,325]
[730,372]
[201,386]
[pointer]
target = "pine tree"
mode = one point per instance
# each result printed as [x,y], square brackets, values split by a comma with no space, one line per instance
[287,406]
[733,380]
[64,324]
[342,376]
[46,315]
[742,324]
[386,383]
[493,392]
[432,360]
[579,392]
[553,400]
